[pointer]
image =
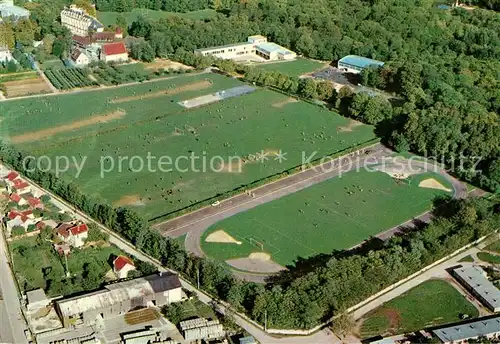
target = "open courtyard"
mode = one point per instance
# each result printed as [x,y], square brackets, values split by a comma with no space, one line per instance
[109,132]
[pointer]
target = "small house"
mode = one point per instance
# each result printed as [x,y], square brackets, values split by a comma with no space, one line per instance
[73,234]
[79,58]
[122,265]
[36,300]
[16,198]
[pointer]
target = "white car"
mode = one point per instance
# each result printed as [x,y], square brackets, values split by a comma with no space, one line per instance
[216,203]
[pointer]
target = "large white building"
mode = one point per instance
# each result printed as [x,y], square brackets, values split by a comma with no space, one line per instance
[119,298]
[256,45]
[79,22]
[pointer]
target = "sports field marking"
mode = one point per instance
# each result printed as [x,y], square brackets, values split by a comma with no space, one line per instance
[46,133]
[195,86]
[282,103]
[221,236]
[350,127]
[432,183]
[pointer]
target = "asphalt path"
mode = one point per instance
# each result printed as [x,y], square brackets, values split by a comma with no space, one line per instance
[194,224]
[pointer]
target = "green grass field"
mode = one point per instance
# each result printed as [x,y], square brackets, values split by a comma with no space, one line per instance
[333,215]
[109,18]
[56,63]
[494,247]
[237,127]
[292,68]
[32,261]
[431,303]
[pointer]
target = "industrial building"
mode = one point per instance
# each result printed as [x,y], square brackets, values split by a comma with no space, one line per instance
[256,45]
[474,279]
[119,298]
[79,22]
[461,333]
[355,64]
[9,11]
[200,328]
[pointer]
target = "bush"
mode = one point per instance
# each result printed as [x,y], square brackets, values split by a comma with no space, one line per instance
[17,231]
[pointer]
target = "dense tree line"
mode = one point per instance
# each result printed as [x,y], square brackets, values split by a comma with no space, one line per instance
[316,288]
[163,5]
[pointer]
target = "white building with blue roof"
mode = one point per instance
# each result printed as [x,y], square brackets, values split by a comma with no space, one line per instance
[9,11]
[256,45]
[355,64]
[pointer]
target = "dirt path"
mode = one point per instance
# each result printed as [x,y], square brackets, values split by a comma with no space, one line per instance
[45,133]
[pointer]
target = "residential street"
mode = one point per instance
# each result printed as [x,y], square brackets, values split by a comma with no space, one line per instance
[12,324]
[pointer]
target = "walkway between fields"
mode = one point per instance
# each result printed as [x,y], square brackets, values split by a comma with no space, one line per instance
[47,81]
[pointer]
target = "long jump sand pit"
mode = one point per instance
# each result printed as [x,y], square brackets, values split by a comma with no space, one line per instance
[432,183]
[46,133]
[195,86]
[222,237]
[258,262]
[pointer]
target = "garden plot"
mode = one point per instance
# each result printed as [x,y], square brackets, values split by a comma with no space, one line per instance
[24,87]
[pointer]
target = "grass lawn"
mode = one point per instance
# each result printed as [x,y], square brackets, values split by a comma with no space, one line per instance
[336,214]
[292,68]
[466,259]
[69,125]
[489,257]
[109,18]
[494,247]
[196,309]
[431,303]
[32,261]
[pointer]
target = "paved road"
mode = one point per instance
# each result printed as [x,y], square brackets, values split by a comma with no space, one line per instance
[195,223]
[12,323]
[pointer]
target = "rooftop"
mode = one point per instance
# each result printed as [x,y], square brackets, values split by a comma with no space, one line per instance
[7,9]
[360,61]
[273,47]
[224,46]
[116,293]
[121,261]
[477,328]
[475,277]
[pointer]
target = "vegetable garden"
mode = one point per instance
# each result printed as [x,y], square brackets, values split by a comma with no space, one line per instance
[68,78]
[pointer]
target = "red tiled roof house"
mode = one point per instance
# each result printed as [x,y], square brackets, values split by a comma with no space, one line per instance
[16,198]
[73,234]
[122,265]
[114,52]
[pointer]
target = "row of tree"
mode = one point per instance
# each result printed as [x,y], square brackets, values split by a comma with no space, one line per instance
[163,5]
[313,290]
